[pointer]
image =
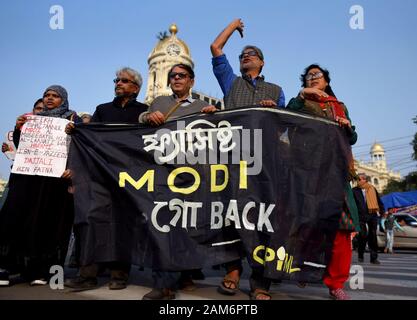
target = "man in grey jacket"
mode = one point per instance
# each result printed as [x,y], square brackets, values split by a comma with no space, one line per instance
[181,80]
[163,108]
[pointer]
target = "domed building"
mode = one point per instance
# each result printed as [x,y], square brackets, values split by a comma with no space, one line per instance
[377,168]
[169,51]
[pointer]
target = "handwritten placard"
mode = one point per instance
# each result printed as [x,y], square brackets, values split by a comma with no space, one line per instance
[43,147]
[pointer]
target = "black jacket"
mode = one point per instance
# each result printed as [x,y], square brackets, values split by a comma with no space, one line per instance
[361,203]
[113,112]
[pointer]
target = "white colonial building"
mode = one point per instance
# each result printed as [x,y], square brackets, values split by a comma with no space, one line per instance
[377,168]
[168,52]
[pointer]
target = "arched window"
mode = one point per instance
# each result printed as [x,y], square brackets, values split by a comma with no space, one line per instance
[376,182]
[154,80]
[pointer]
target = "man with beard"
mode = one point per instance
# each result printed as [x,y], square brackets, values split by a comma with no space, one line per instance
[250,88]
[123,109]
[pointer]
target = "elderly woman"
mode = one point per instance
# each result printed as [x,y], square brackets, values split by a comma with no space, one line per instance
[318,98]
[36,220]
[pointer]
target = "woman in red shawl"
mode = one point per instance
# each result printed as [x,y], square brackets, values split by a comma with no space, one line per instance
[318,98]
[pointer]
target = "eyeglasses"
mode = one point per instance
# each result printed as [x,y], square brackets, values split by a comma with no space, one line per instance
[251,53]
[124,80]
[180,75]
[312,76]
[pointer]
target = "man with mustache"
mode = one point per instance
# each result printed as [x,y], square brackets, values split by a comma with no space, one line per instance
[250,88]
[123,109]
[247,90]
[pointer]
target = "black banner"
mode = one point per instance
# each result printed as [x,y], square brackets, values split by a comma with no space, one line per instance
[259,183]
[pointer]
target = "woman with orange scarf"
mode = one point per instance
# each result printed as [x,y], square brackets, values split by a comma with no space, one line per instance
[318,98]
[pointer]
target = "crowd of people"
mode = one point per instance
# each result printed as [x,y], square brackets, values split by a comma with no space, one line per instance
[37,217]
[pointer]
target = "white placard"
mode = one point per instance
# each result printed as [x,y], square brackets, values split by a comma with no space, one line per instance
[12,148]
[43,147]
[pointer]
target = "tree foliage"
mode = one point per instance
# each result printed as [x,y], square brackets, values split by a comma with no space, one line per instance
[407,184]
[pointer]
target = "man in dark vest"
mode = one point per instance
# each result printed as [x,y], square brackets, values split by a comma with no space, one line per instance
[246,90]
[249,89]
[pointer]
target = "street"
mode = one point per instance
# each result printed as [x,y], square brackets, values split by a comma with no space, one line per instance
[394,279]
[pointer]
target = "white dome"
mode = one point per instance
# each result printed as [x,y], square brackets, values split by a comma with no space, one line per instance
[377,148]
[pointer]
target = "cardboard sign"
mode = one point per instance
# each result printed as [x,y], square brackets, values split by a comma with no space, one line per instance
[43,147]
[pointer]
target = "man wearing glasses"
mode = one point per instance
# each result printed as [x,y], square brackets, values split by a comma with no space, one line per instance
[163,108]
[246,90]
[181,80]
[250,88]
[124,108]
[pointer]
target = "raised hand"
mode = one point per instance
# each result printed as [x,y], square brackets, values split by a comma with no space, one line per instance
[312,92]
[20,121]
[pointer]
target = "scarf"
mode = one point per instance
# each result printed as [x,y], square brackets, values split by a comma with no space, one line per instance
[371,199]
[63,110]
[332,108]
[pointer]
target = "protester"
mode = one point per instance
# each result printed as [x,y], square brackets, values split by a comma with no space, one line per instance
[318,98]
[250,88]
[369,207]
[181,103]
[36,220]
[181,80]
[37,107]
[85,116]
[123,109]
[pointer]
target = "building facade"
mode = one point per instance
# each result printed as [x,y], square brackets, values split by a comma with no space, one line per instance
[377,169]
[168,52]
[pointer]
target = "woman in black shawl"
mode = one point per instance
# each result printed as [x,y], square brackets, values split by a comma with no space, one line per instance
[36,220]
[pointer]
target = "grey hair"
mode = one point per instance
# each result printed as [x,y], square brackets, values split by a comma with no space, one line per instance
[258,51]
[135,74]
[368,178]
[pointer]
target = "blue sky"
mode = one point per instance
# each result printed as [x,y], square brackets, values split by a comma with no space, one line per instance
[374,70]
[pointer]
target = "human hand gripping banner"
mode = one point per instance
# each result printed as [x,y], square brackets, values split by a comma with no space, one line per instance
[259,183]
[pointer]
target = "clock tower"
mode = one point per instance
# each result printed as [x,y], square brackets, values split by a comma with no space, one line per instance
[167,52]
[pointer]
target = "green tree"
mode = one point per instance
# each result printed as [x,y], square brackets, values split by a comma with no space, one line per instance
[407,184]
[394,186]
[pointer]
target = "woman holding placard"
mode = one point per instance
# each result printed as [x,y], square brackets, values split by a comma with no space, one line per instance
[37,217]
